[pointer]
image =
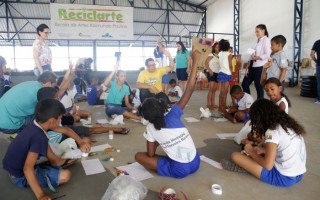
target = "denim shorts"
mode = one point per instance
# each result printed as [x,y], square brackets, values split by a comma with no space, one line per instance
[274,177]
[165,79]
[48,176]
[182,74]
[112,109]
[28,120]
[44,67]
[174,169]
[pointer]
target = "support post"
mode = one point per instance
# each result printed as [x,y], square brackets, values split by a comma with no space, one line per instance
[236,27]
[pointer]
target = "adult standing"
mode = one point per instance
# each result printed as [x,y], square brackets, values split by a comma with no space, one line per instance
[3,70]
[18,104]
[183,65]
[41,52]
[316,49]
[258,59]
[83,67]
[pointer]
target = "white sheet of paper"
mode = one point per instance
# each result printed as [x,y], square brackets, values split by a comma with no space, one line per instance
[191,119]
[93,166]
[211,162]
[136,171]
[102,121]
[100,147]
[226,135]
[250,51]
[220,119]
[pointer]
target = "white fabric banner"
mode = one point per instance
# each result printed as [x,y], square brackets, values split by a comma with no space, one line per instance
[91,22]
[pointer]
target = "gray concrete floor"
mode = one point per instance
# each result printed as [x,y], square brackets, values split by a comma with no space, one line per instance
[197,185]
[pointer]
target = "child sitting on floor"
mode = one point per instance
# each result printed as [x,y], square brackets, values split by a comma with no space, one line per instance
[93,95]
[241,102]
[32,143]
[77,90]
[282,162]
[168,131]
[175,92]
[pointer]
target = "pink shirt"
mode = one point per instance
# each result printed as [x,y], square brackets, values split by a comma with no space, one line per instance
[263,50]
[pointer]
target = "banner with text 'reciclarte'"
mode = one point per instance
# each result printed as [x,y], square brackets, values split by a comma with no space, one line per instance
[71,21]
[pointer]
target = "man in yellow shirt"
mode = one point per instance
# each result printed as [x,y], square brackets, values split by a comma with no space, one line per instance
[150,80]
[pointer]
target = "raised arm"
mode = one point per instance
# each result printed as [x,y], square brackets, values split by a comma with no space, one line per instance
[108,79]
[264,72]
[66,80]
[192,80]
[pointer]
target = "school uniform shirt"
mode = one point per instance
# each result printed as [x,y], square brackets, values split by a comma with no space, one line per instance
[154,78]
[176,89]
[31,139]
[181,59]
[284,100]
[116,94]
[174,138]
[67,100]
[18,103]
[263,50]
[291,151]
[214,63]
[245,102]
[279,61]
[92,92]
[224,62]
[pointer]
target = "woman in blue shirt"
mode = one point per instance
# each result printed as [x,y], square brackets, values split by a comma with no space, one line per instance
[183,65]
[118,90]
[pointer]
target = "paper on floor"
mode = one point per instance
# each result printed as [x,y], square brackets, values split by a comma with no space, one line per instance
[191,119]
[136,171]
[92,166]
[100,147]
[225,135]
[220,119]
[211,162]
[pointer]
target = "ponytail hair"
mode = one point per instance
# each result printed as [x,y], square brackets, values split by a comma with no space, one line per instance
[153,110]
[263,27]
[278,83]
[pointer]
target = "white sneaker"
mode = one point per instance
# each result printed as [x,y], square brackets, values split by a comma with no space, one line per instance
[114,116]
[317,101]
[144,121]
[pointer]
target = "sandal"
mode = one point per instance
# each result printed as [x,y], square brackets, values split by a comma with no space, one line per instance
[227,164]
[67,164]
[124,131]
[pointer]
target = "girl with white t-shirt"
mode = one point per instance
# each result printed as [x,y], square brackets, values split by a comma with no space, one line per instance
[282,161]
[273,88]
[170,133]
[224,76]
[213,67]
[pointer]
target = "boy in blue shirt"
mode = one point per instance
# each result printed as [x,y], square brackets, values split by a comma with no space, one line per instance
[93,95]
[32,143]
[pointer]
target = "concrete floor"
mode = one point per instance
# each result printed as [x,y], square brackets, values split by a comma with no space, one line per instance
[197,185]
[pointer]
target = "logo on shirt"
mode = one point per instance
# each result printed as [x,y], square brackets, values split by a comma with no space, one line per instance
[249,103]
[269,136]
[152,81]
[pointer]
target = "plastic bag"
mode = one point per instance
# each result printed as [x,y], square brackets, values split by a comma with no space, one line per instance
[125,188]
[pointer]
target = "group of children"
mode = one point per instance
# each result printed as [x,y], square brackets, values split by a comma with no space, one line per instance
[278,160]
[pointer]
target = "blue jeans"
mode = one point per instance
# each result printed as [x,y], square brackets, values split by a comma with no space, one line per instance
[253,75]
[318,80]
[44,67]
[46,175]
[112,109]
[1,87]
[28,120]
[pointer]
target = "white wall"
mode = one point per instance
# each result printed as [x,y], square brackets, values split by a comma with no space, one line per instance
[277,15]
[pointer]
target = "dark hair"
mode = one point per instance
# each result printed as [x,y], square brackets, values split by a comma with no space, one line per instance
[278,83]
[265,114]
[147,61]
[60,79]
[153,110]
[48,108]
[183,47]
[279,39]
[94,78]
[77,81]
[172,81]
[235,89]
[214,47]
[263,27]
[46,93]
[89,60]
[119,71]
[224,45]
[47,76]
[41,28]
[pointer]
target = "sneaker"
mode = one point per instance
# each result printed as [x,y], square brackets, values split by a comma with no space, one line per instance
[114,116]
[227,164]
[144,121]
[317,101]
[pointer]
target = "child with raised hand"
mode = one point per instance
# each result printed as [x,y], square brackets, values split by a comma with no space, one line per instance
[273,88]
[170,133]
[32,143]
[224,76]
[282,162]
